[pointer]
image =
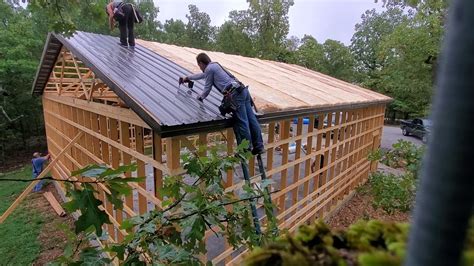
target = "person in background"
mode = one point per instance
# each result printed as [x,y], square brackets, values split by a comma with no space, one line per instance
[38,165]
[124,14]
[246,125]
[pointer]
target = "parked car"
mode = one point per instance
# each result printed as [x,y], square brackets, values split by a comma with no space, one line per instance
[416,127]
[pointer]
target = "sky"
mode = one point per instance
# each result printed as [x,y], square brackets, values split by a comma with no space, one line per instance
[323,19]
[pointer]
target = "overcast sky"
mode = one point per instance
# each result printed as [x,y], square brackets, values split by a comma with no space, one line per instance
[324,19]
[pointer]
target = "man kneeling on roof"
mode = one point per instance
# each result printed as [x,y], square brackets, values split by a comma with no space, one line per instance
[246,125]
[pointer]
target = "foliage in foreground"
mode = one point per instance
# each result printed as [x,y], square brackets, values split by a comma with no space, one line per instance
[192,204]
[365,243]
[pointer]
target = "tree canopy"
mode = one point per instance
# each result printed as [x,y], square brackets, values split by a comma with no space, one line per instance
[393,51]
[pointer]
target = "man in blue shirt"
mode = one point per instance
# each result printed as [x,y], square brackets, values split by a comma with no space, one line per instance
[38,165]
[246,125]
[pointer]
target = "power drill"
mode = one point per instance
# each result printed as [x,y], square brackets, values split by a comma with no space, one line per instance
[190,82]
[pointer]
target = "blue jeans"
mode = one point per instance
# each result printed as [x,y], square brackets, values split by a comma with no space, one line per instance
[38,186]
[246,125]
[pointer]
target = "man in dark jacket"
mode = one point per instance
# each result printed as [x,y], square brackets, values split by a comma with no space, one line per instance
[125,15]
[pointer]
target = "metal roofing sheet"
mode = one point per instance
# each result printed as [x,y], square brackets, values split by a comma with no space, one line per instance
[146,81]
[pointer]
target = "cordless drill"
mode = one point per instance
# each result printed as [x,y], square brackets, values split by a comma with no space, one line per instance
[190,82]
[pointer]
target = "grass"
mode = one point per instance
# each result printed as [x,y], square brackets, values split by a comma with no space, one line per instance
[19,243]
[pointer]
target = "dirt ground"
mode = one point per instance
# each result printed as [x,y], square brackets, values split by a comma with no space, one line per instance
[52,239]
[359,207]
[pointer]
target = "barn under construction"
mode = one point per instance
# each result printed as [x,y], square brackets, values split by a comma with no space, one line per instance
[127,104]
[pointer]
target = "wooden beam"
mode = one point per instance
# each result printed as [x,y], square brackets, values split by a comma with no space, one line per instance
[54,203]
[119,113]
[41,175]
[115,144]
[157,156]
[139,147]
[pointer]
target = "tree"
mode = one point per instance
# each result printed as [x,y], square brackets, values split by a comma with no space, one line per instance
[149,29]
[20,50]
[270,25]
[332,58]
[397,52]
[338,61]
[174,32]
[310,53]
[233,40]
[411,51]
[199,28]
[365,43]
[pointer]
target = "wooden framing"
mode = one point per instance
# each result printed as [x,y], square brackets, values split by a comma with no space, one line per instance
[315,164]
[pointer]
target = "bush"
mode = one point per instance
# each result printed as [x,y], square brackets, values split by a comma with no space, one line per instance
[405,155]
[364,243]
[391,192]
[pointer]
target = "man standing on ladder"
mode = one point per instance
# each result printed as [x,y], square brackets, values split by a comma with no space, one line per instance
[237,101]
[245,124]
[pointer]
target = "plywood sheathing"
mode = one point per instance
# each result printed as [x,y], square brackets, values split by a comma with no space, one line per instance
[275,86]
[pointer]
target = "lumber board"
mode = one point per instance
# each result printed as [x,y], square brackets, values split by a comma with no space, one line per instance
[142,204]
[54,203]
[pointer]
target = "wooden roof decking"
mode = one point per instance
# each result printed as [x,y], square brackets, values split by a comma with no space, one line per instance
[275,86]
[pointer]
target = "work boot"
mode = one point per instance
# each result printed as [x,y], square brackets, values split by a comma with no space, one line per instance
[256,151]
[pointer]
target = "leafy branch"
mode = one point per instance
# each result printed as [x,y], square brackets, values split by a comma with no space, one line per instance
[192,204]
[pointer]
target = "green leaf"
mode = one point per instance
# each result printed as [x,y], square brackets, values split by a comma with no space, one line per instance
[85,201]
[127,224]
[109,172]
[118,250]
[92,170]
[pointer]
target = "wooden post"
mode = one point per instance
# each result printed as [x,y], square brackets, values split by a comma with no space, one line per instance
[296,169]
[285,134]
[172,154]
[271,139]
[126,158]
[142,203]
[157,156]
[230,150]
[309,150]
[114,135]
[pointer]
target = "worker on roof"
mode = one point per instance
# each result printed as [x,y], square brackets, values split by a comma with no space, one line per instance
[126,16]
[246,125]
[38,165]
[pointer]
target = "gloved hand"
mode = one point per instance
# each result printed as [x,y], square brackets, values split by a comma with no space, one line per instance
[183,80]
[199,98]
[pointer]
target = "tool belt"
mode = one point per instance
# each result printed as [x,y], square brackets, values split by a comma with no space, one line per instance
[228,103]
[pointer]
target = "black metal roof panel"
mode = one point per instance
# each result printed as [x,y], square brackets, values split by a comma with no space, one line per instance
[146,81]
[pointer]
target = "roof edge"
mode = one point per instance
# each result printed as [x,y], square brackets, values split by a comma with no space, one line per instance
[185,129]
[49,40]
